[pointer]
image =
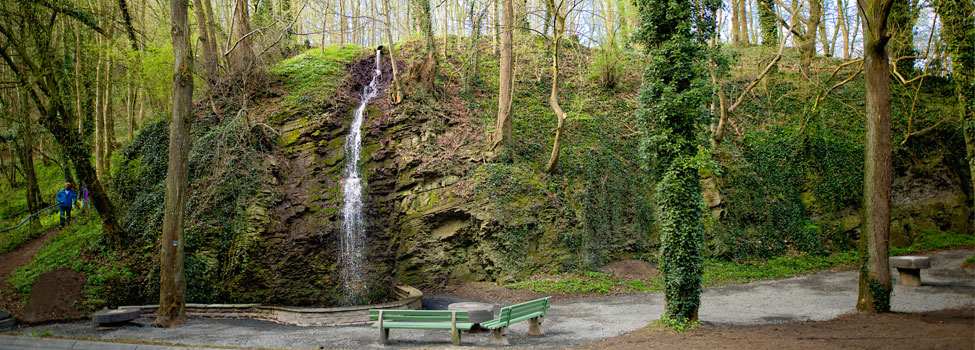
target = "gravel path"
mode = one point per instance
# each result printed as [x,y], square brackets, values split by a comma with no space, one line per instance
[816,297]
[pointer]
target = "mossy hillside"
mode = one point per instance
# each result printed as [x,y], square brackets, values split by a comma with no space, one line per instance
[519,220]
[789,174]
[225,180]
[791,180]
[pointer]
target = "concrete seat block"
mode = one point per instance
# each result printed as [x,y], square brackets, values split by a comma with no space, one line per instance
[7,323]
[115,316]
[910,262]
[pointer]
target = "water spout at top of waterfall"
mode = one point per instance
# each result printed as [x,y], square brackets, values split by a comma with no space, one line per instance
[352,260]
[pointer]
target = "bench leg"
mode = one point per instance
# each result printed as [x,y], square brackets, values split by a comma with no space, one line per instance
[500,336]
[455,337]
[535,326]
[383,335]
[910,277]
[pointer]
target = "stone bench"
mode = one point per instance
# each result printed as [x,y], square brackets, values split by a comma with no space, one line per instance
[909,268]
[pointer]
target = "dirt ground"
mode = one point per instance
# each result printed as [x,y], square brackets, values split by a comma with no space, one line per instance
[53,294]
[946,329]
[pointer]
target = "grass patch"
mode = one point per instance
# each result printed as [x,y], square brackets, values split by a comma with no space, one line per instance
[315,73]
[717,273]
[15,238]
[936,240]
[64,250]
[587,282]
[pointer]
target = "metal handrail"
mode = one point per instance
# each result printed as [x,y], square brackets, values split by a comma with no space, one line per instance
[28,218]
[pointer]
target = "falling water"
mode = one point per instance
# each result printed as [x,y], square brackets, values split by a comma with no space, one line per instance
[353,229]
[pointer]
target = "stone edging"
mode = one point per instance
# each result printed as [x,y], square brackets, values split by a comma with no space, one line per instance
[407,298]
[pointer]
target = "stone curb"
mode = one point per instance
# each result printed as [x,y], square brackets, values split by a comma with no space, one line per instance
[21,342]
[409,298]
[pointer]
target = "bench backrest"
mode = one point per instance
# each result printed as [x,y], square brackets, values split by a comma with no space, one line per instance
[520,312]
[418,315]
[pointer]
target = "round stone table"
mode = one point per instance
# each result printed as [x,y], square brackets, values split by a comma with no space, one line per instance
[476,312]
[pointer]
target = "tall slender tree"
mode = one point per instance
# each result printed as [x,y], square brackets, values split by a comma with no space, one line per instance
[503,132]
[559,11]
[423,73]
[807,49]
[172,279]
[874,284]
[674,112]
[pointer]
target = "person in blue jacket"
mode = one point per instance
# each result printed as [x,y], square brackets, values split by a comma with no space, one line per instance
[66,199]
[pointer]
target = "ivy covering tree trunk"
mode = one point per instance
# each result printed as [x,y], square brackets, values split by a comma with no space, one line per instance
[674,112]
[766,20]
[874,284]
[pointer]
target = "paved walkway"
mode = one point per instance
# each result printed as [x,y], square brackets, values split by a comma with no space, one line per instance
[816,297]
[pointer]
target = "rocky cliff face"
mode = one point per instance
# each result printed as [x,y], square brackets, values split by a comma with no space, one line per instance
[436,212]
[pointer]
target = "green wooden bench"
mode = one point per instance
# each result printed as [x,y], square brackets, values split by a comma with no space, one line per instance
[455,321]
[532,311]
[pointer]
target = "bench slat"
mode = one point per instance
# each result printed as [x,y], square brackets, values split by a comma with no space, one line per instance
[423,325]
[417,312]
[418,315]
[525,317]
[519,312]
[416,318]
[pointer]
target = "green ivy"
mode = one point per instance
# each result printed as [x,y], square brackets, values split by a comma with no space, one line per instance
[674,113]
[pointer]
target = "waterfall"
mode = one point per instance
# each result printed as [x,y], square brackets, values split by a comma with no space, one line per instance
[353,260]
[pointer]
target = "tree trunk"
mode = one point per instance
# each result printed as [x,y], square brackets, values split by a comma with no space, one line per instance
[243,55]
[423,73]
[841,9]
[553,100]
[807,49]
[212,32]
[768,23]
[99,121]
[496,25]
[342,25]
[874,284]
[397,94]
[109,116]
[521,17]
[172,280]
[743,20]
[503,129]
[27,156]
[446,32]
[824,36]
[209,57]
[77,76]
[735,27]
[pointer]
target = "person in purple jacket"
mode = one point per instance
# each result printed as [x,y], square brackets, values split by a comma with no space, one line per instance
[84,199]
[66,199]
